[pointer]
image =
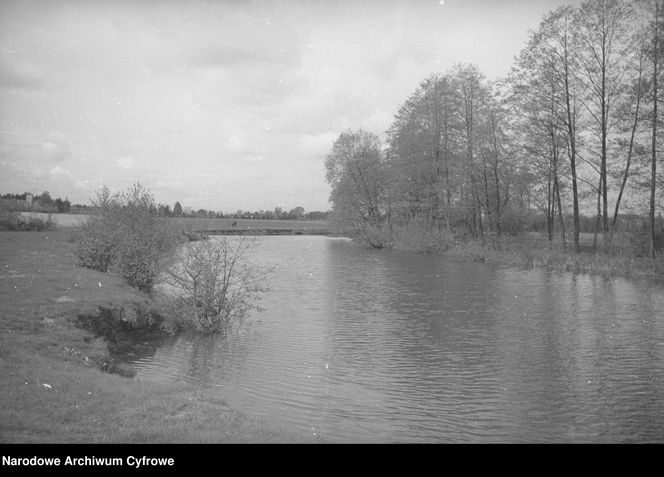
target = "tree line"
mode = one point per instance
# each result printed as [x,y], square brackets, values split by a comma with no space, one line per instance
[45,203]
[37,202]
[572,130]
[296,213]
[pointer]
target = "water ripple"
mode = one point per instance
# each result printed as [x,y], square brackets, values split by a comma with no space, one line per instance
[357,345]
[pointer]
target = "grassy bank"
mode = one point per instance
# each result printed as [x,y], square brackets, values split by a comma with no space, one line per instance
[528,252]
[50,388]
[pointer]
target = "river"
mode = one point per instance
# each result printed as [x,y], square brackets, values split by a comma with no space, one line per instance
[359,345]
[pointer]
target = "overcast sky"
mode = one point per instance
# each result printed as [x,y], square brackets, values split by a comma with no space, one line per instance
[222,105]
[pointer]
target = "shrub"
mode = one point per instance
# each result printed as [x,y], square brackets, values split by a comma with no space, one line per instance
[639,237]
[97,245]
[217,284]
[126,236]
[514,221]
[39,225]
[14,221]
[416,236]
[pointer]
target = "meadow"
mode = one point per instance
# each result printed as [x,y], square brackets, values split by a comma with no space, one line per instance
[51,389]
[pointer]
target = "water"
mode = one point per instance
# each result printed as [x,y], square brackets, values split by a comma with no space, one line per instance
[358,345]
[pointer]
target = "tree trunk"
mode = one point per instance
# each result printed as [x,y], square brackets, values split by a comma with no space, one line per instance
[571,133]
[655,120]
[630,149]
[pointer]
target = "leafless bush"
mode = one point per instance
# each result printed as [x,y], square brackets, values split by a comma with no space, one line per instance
[217,284]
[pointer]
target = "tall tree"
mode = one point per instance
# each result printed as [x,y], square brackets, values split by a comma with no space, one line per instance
[655,50]
[177,210]
[601,31]
[553,48]
[543,130]
[473,93]
[355,170]
[631,111]
[422,148]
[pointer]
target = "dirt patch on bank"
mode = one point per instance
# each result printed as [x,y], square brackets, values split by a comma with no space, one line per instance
[121,327]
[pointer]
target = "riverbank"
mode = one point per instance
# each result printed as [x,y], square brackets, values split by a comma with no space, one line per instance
[530,252]
[51,388]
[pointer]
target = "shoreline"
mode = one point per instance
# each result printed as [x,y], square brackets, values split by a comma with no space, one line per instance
[52,389]
[529,254]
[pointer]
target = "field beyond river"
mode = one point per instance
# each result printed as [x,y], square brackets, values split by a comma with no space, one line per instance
[212,225]
[50,388]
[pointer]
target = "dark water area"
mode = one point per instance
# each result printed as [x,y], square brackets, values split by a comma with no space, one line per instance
[358,345]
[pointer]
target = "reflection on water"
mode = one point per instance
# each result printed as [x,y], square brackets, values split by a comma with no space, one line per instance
[358,345]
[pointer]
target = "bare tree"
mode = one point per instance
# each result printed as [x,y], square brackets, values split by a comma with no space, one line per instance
[217,284]
[601,33]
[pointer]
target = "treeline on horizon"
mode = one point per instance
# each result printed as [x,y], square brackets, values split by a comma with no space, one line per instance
[574,128]
[45,203]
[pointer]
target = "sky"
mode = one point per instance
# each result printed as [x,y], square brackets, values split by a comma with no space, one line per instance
[223,105]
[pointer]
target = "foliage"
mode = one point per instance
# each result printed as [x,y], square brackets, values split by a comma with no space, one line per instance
[416,236]
[573,128]
[14,221]
[639,238]
[217,284]
[177,209]
[355,170]
[127,236]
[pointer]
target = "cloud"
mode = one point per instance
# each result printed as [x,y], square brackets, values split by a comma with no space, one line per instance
[59,173]
[55,151]
[317,145]
[235,143]
[226,54]
[20,75]
[46,152]
[378,121]
[125,162]
[247,145]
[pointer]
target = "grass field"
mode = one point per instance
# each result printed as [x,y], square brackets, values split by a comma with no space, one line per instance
[61,220]
[49,389]
[200,224]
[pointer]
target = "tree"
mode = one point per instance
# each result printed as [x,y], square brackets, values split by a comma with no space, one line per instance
[356,173]
[630,109]
[59,205]
[549,62]
[655,51]
[165,210]
[218,285]
[538,128]
[296,213]
[45,198]
[177,210]
[601,31]
[422,144]
[471,87]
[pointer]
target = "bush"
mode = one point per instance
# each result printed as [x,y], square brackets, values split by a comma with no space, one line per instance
[97,245]
[417,237]
[14,221]
[514,221]
[639,238]
[126,236]
[217,285]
